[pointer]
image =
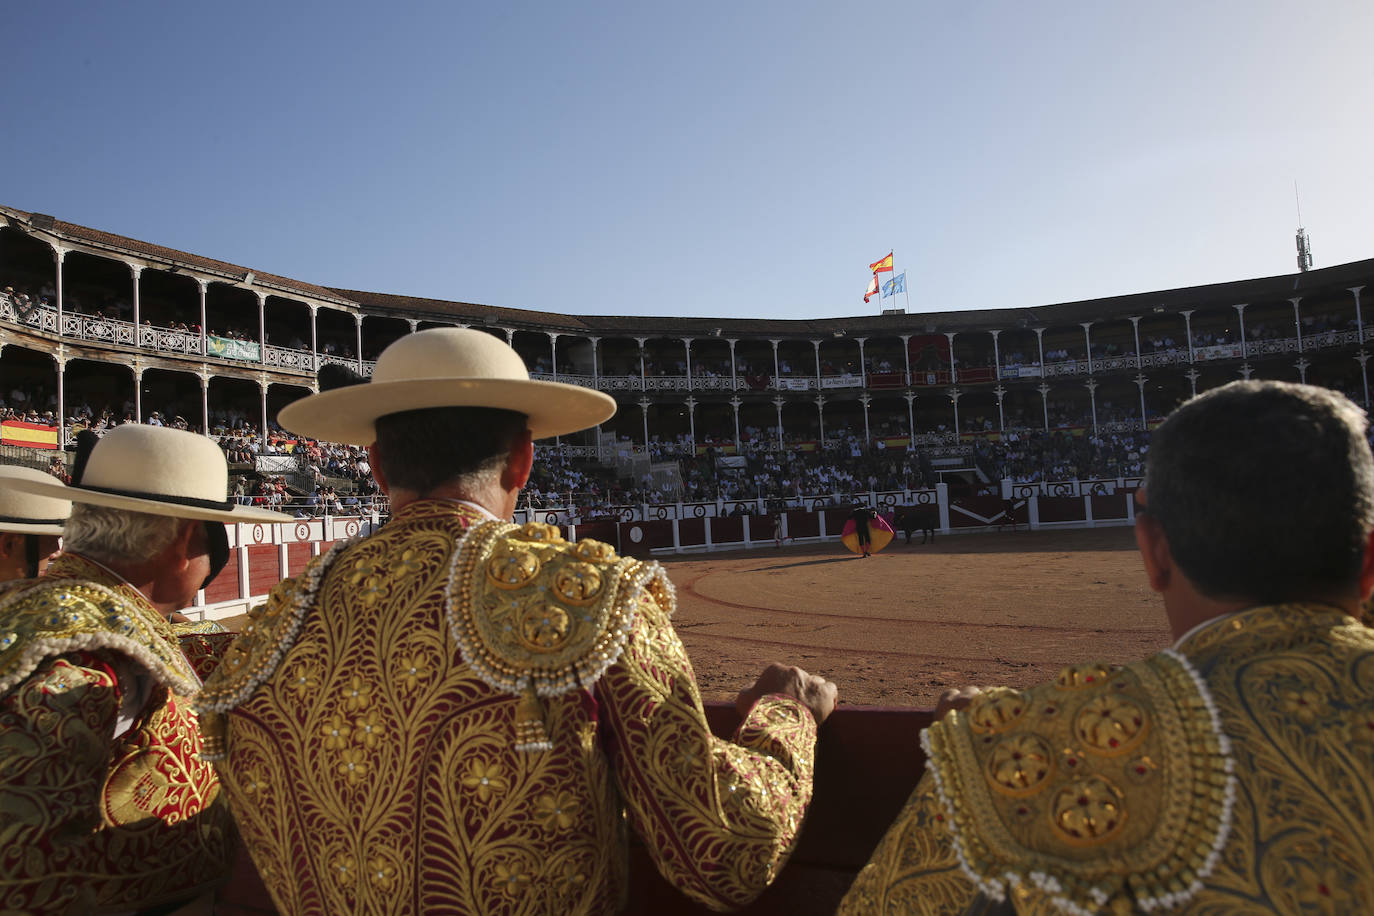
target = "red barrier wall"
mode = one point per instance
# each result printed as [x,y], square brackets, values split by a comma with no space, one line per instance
[264,569]
[1061,509]
[1109,507]
[226,584]
[727,530]
[691,532]
[801,524]
[297,555]
[599,531]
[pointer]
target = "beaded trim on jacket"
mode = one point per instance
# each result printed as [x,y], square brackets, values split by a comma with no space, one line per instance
[233,684]
[44,617]
[1131,762]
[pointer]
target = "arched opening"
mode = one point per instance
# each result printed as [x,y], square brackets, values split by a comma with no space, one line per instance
[97,287]
[380,332]
[171,398]
[29,391]
[101,395]
[337,334]
[236,408]
[27,267]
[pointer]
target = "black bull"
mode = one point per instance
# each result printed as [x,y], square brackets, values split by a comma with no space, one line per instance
[924,519]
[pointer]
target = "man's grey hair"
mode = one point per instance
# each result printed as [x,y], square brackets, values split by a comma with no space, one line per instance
[118,535]
[1264,490]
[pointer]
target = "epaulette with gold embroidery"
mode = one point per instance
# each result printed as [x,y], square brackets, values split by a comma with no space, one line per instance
[536,616]
[1109,786]
[41,618]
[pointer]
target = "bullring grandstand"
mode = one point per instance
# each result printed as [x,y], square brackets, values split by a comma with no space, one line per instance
[1037,414]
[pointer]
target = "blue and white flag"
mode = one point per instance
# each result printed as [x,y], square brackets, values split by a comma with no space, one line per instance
[896,285]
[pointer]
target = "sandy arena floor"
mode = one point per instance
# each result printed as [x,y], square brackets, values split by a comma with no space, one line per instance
[896,629]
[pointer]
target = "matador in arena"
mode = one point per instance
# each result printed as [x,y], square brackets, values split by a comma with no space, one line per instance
[456,714]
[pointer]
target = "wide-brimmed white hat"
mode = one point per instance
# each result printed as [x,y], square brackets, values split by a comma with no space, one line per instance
[25,513]
[150,469]
[445,367]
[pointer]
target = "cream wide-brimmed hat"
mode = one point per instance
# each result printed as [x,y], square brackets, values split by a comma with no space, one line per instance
[25,513]
[445,367]
[150,469]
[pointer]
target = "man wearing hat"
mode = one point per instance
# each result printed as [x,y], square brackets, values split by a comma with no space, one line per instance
[30,528]
[107,804]
[454,714]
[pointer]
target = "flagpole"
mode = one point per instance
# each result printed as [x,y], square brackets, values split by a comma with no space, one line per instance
[906,289]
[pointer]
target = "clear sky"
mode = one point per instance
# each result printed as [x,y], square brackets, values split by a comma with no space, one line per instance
[709,158]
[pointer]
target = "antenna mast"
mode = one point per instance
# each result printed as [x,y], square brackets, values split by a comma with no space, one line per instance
[1304,243]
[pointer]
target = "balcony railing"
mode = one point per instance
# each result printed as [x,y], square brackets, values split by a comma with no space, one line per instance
[75,326]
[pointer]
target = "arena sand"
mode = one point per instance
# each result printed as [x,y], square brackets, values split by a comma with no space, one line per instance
[996,608]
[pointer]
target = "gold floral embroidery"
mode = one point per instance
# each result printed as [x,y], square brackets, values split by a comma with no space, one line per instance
[411,670]
[368,729]
[409,563]
[512,878]
[381,873]
[1302,703]
[485,779]
[344,869]
[1090,811]
[303,677]
[353,766]
[1020,763]
[1111,724]
[358,693]
[556,812]
[335,732]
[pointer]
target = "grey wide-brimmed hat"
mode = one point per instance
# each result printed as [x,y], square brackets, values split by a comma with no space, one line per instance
[26,513]
[445,367]
[150,469]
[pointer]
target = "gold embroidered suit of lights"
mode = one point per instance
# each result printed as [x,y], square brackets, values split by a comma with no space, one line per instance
[142,812]
[372,768]
[1115,830]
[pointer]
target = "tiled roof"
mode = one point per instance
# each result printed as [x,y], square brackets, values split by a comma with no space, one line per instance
[102,239]
[1327,279]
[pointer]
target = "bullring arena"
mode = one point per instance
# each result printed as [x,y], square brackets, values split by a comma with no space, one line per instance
[999,608]
[737,451]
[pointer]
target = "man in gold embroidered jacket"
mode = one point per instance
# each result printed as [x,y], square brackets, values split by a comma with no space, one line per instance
[105,804]
[1230,773]
[458,715]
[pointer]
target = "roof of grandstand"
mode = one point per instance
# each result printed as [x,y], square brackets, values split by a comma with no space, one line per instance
[1232,292]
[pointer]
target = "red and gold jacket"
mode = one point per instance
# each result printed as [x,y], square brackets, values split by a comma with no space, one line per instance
[458,715]
[106,802]
[1233,774]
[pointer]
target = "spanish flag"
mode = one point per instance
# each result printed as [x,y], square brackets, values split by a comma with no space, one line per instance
[32,435]
[882,264]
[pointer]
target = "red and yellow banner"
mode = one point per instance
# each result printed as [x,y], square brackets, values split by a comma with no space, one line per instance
[30,435]
[881,264]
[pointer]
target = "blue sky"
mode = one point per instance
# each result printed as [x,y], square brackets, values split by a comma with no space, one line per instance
[713,159]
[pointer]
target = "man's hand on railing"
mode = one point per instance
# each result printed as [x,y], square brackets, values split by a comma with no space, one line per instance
[955,698]
[813,691]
